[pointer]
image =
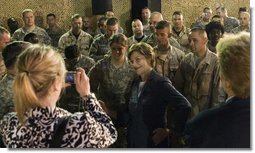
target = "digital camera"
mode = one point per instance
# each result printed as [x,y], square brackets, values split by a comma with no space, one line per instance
[70,77]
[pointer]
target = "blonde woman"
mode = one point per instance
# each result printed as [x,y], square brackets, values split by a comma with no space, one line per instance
[227,126]
[37,86]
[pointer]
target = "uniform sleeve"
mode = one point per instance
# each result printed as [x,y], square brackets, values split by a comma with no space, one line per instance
[93,51]
[217,95]
[179,79]
[47,39]
[61,45]
[16,36]
[94,78]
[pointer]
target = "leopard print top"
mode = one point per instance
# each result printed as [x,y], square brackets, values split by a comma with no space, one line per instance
[89,129]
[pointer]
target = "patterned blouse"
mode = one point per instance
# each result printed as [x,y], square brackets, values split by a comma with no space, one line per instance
[89,129]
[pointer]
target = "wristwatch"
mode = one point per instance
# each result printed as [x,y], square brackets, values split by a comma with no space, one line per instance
[88,97]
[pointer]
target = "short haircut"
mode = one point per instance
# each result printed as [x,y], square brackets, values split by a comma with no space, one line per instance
[51,14]
[234,62]
[76,16]
[144,49]
[243,9]
[163,24]
[200,30]
[101,19]
[112,21]
[119,38]
[72,52]
[146,7]
[157,14]
[26,11]
[11,20]
[32,38]
[11,52]
[214,25]
[177,13]
[222,9]
[206,8]
[216,16]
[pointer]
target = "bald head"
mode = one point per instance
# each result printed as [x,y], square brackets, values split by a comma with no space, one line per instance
[154,19]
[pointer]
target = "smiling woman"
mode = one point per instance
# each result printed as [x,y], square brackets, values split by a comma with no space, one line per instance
[149,96]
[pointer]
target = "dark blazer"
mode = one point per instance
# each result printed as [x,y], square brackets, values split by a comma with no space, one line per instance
[156,94]
[227,126]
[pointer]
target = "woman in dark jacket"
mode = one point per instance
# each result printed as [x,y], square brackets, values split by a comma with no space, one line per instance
[148,100]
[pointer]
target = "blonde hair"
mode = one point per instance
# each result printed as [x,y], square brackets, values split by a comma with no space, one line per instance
[37,68]
[26,11]
[234,61]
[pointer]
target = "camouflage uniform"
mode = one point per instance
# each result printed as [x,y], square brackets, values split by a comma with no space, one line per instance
[70,99]
[230,23]
[182,38]
[83,42]
[199,23]
[83,61]
[147,30]
[42,35]
[132,40]
[2,67]
[55,35]
[239,29]
[199,84]
[99,47]
[167,67]
[6,96]
[111,85]
[152,40]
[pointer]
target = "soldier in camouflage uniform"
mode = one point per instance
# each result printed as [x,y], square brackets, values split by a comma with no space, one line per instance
[168,58]
[204,18]
[76,36]
[10,54]
[244,18]
[151,39]
[30,27]
[197,77]
[111,79]
[145,15]
[70,99]
[138,35]
[54,31]
[180,32]
[229,22]
[100,47]
[5,37]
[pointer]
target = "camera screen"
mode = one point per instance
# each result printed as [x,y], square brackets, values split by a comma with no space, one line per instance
[70,76]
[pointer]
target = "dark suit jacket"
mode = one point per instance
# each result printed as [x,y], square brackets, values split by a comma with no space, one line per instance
[227,126]
[156,94]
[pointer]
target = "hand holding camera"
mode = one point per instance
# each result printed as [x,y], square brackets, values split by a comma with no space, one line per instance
[81,81]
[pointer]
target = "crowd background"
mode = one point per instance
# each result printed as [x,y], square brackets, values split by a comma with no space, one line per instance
[122,9]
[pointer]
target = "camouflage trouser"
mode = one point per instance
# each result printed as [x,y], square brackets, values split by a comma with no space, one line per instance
[122,138]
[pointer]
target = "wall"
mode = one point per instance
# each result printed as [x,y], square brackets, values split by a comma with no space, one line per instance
[192,9]
[65,8]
